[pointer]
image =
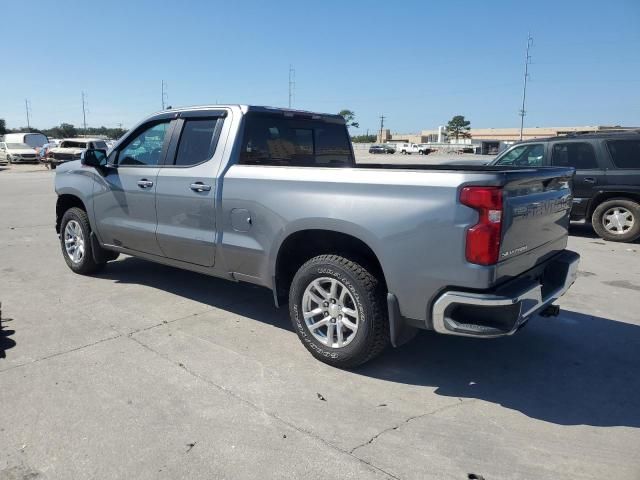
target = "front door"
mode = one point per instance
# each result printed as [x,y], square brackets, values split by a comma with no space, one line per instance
[124,202]
[185,195]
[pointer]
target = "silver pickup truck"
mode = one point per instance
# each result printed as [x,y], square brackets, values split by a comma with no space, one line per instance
[364,254]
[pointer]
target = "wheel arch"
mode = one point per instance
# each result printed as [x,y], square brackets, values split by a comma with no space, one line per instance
[604,196]
[303,244]
[64,202]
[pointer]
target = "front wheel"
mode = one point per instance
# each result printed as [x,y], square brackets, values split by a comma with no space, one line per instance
[75,241]
[617,220]
[338,310]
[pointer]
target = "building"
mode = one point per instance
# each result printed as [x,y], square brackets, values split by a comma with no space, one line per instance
[492,140]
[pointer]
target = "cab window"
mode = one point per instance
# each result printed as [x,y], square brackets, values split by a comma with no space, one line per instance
[530,155]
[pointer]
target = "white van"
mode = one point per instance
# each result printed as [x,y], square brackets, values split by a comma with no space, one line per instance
[34,140]
[407,148]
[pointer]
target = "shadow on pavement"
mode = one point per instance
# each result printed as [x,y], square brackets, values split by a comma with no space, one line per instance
[572,370]
[5,342]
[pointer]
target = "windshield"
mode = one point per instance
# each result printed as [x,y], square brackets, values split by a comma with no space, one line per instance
[70,144]
[531,155]
[16,146]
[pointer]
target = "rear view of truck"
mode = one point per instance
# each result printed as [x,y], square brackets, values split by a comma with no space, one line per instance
[520,239]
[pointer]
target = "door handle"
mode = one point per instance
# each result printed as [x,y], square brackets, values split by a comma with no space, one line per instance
[200,187]
[589,180]
[144,183]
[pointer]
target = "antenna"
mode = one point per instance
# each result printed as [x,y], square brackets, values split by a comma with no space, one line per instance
[27,107]
[382,117]
[292,84]
[165,96]
[527,61]
[84,114]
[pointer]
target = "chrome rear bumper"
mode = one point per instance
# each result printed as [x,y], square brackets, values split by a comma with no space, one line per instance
[503,311]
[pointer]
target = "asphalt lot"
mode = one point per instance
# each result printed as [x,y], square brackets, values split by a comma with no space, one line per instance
[145,371]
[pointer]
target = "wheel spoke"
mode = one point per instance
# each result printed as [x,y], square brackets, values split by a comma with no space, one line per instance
[343,294]
[339,332]
[330,328]
[333,289]
[312,313]
[315,298]
[349,324]
[320,290]
[349,311]
[318,324]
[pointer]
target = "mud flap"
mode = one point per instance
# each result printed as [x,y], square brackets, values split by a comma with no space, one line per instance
[399,332]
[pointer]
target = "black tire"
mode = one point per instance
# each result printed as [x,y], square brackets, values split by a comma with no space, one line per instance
[86,264]
[598,220]
[367,292]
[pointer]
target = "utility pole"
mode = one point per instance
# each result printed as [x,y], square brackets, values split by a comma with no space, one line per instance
[84,115]
[382,117]
[27,107]
[292,84]
[527,61]
[164,93]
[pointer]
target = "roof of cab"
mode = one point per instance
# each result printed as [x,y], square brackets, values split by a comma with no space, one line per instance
[255,108]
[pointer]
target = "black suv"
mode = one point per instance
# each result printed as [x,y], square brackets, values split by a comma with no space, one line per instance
[606,187]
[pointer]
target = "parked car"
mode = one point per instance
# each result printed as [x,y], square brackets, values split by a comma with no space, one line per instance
[32,139]
[364,254]
[606,186]
[407,148]
[11,152]
[72,148]
[424,149]
[382,149]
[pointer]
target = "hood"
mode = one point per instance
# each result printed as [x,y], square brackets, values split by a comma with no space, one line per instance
[73,150]
[21,151]
[68,166]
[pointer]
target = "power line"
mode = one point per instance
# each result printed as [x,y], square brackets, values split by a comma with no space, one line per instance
[527,61]
[292,84]
[382,117]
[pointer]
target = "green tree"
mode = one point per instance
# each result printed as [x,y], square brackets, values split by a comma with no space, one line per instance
[3,126]
[364,138]
[349,118]
[458,127]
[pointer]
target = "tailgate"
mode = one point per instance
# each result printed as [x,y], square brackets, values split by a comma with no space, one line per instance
[536,206]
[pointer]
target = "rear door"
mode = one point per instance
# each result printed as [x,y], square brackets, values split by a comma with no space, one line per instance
[186,184]
[589,177]
[124,202]
[624,172]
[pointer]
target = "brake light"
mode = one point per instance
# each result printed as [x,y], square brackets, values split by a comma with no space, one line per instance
[483,239]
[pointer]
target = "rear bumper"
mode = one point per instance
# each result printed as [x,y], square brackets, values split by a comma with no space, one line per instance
[503,311]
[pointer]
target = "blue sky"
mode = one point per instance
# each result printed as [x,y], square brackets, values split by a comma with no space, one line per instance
[417,62]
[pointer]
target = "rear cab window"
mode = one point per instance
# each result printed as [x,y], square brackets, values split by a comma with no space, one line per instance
[277,140]
[528,155]
[196,143]
[625,153]
[579,155]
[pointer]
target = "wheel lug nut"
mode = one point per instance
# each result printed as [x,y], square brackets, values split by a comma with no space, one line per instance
[326,304]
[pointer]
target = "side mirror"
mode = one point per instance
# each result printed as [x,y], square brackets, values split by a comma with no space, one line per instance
[94,158]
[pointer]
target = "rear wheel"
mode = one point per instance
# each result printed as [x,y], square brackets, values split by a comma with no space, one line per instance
[617,220]
[75,232]
[338,311]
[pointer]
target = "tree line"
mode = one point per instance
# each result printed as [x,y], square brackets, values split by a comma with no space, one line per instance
[66,130]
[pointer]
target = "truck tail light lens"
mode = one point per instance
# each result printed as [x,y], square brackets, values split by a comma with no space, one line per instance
[483,239]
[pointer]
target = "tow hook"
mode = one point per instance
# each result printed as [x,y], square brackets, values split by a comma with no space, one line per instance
[550,311]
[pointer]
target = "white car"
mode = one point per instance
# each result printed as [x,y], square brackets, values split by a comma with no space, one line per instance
[72,148]
[407,148]
[11,152]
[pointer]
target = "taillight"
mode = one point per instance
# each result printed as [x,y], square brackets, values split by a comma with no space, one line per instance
[483,239]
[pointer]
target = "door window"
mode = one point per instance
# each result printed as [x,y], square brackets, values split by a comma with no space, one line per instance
[579,155]
[195,145]
[625,153]
[531,155]
[146,147]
